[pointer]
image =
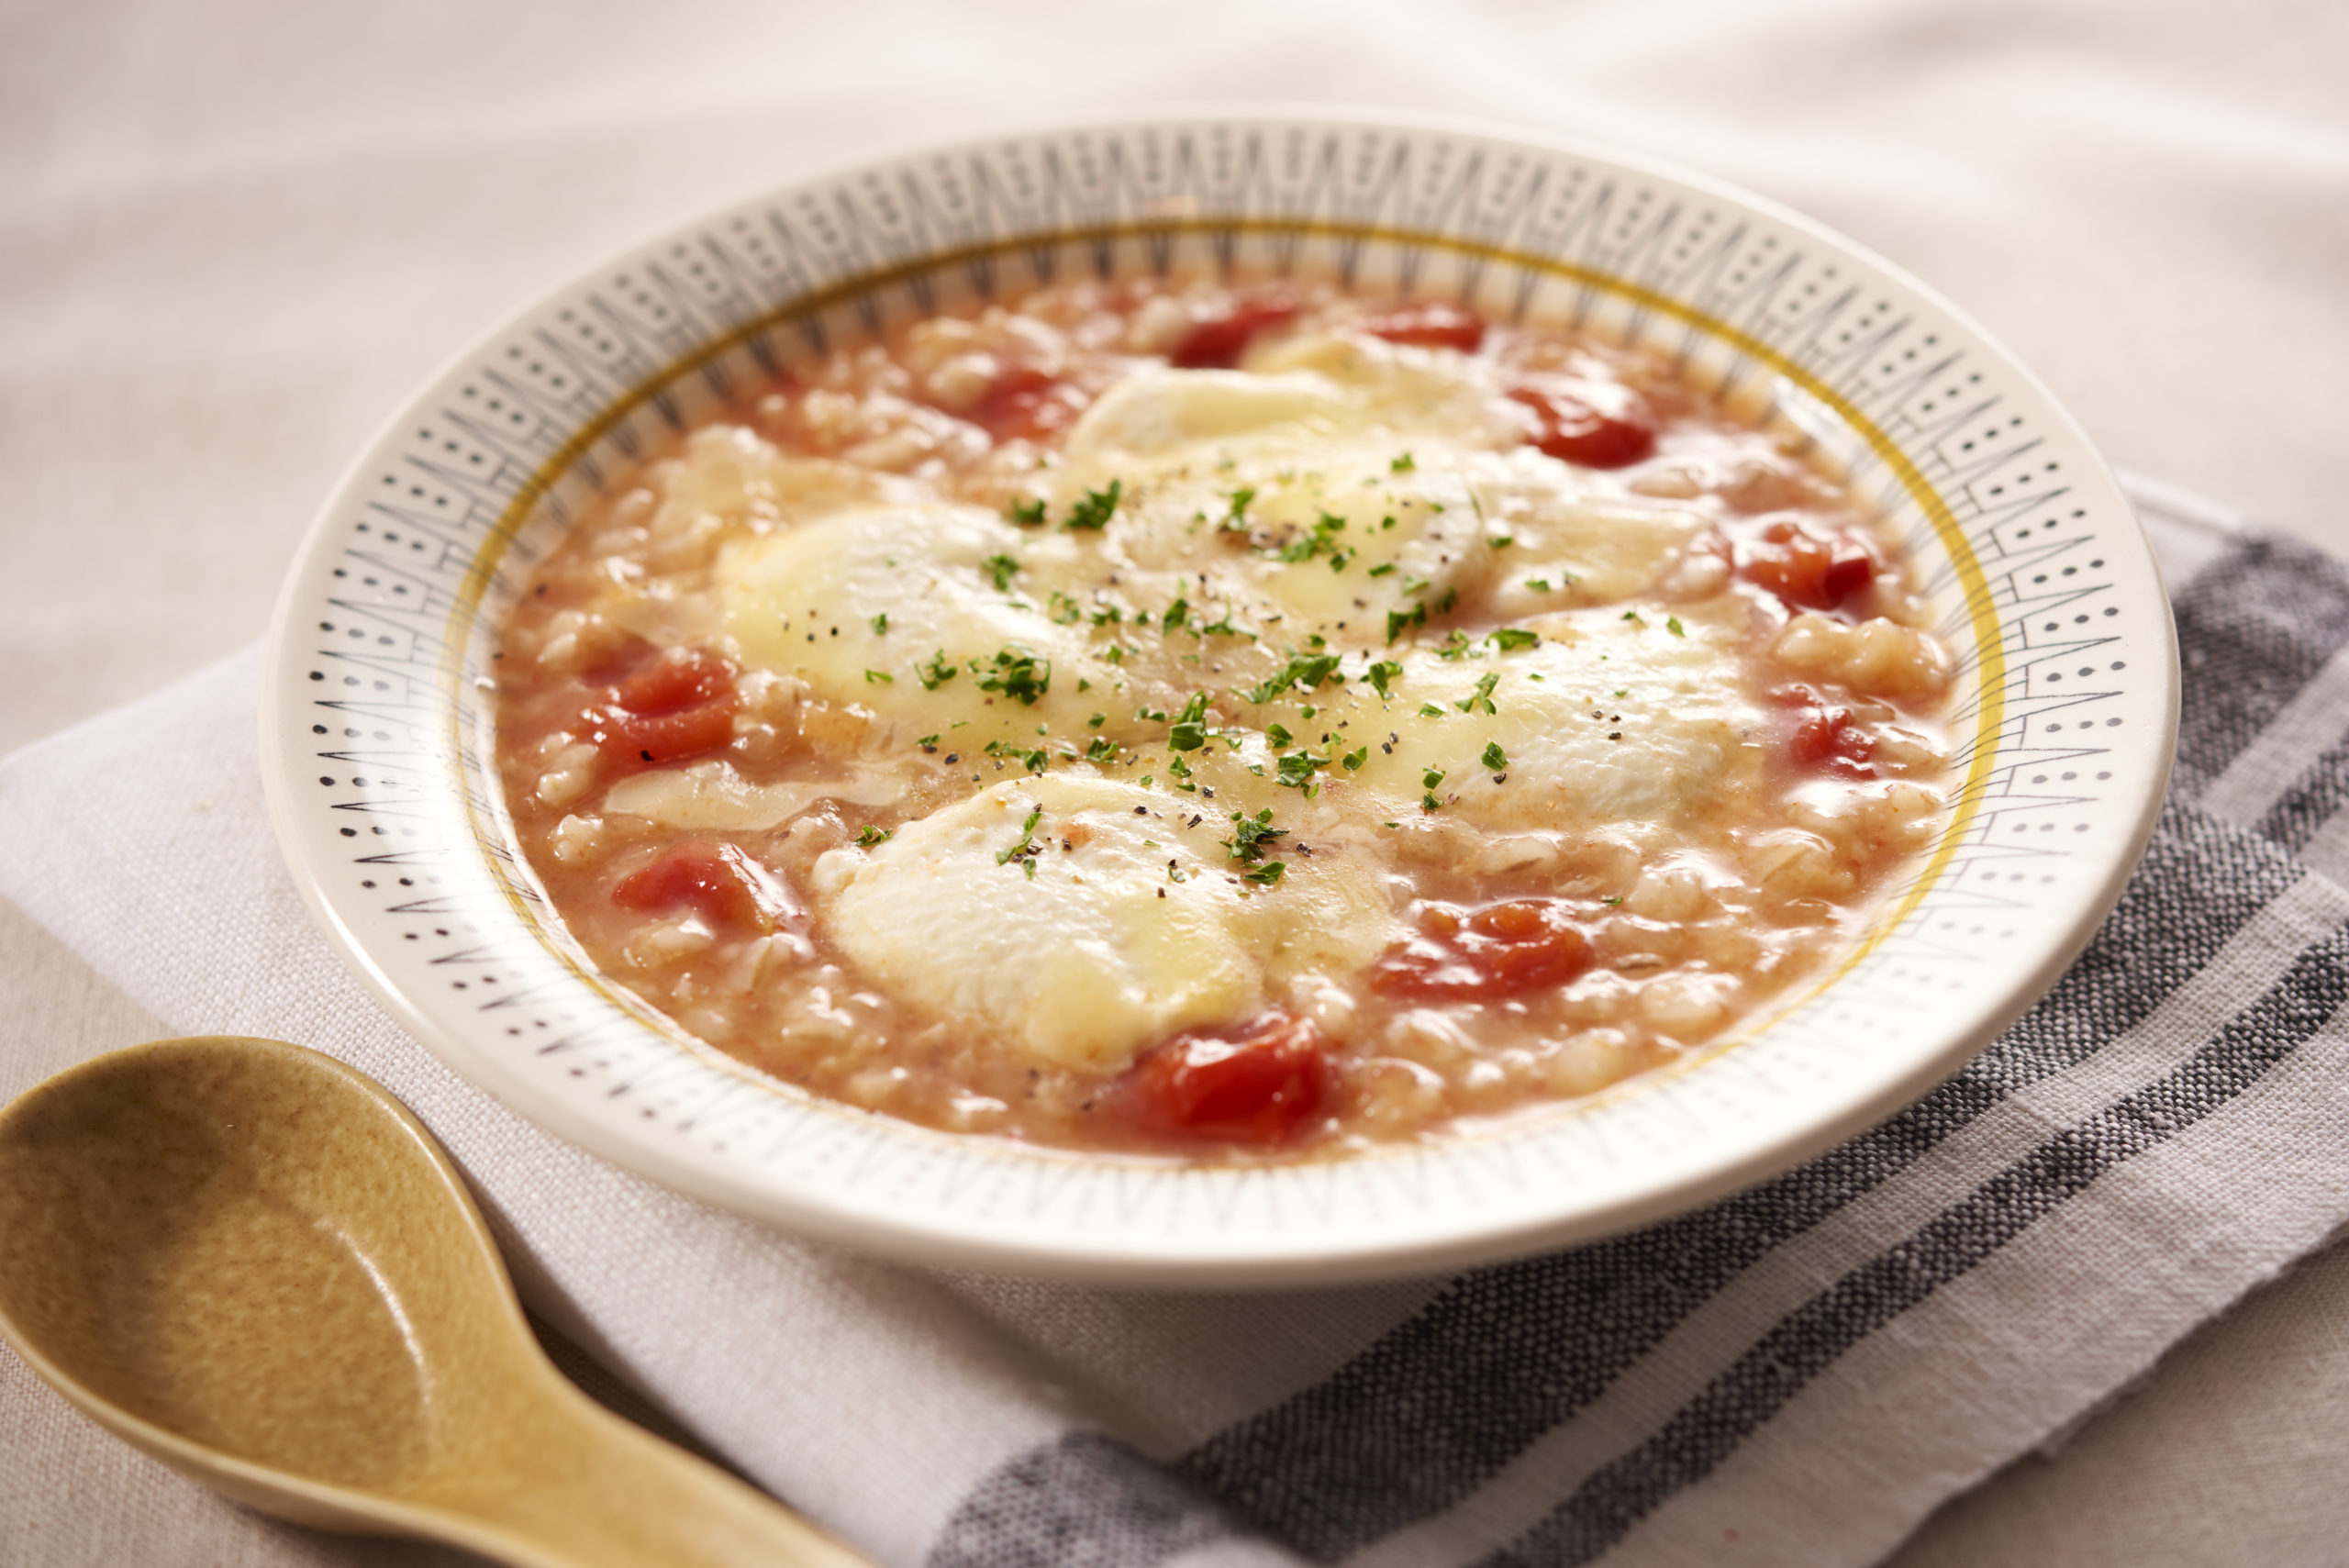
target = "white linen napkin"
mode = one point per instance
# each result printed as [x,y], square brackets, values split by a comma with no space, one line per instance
[1797,1375]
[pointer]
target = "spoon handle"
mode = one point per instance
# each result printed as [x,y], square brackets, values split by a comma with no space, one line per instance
[596,1492]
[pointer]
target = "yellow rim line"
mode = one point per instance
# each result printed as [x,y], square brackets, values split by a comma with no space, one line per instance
[1990,646]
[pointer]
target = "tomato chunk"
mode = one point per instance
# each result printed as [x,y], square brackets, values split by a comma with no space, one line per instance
[673,707]
[1595,423]
[1428,324]
[1217,343]
[1028,404]
[1257,1086]
[1802,569]
[1500,951]
[1823,739]
[733,893]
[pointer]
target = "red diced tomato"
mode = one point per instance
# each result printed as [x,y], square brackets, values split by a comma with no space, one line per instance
[1027,404]
[679,679]
[1501,951]
[1428,324]
[1258,1086]
[735,895]
[1807,572]
[1598,424]
[677,706]
[1823,740]
[1217,343]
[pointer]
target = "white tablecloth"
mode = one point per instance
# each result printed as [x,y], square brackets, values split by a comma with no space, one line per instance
[232,236]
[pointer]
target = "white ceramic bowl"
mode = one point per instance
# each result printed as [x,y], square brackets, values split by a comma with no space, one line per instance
[376,731]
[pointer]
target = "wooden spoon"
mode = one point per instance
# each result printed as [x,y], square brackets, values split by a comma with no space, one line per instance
[252,1262]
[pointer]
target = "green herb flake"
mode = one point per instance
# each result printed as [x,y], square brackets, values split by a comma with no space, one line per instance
[928,742]
[1189,730]
[1382,569]
[1428,710]
[1016,673]
[1026,514]
[1633,617]
[1250,835]
[1092,514]
[869,836]
[1097,721]
[1383,672]
[1297,769]
[1177,614]
[1277,733]
[879,678]
[1671,625]
[1235,521]
[1268,874]
[1397,620]
[1001,568]
[1402,464]
[1101,750]
[1036,760]
[1495,758]
[880,624]
[1500,541]
[1304,671]
[1539,584]
[1510,638]
[1482,697]
[1027,849]
[1353,761]
[937,672]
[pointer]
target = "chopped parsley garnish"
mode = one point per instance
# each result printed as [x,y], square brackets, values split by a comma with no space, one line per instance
[1268,874]
[869,836]
[1102,749]
[1148,716]
[1297,768]
[1227,627]
[1305,670]
[879,678]
[1382,569]
[1026,514]
[1482,697]
[1383,672]
[1063,610]
[1414,585]
[1189,730]
[880,624]
[1177,614]
[1396,621]
[1277,733]
[1110,614]
[1495,758]
[1016,673]
[1026,850]
[1428,710]
[1501,541]
[1353,761]
[1539,584]
[1509,639]
[1321,541]
[1092,512]
[1671,625]
[1002,568]
[1402,464]
[1444,602]
[1633,617]
[1341,560]
[1181,770]
[1250,835]
[926,740]
[937,672]
[1036,760]
[1455,646]
[1097,721]
[1236,521]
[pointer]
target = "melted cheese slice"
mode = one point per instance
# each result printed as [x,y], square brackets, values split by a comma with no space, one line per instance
[888,608]
[1137,929]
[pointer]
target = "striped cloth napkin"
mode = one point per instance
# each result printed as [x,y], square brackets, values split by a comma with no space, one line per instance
[1796,1375]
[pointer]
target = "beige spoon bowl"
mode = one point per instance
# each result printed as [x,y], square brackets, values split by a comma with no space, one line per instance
[252,1262]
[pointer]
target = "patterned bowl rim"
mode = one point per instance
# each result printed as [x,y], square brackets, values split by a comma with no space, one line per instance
[1870,1037]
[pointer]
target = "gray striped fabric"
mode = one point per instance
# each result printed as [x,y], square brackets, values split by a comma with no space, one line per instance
[1798,1373]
